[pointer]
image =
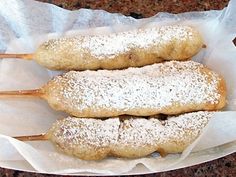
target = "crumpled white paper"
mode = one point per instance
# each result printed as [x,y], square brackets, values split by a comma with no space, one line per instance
[24,24]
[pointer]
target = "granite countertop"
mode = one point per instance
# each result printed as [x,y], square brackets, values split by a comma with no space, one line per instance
[225,166]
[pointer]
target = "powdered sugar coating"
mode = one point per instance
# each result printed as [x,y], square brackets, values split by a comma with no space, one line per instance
[92,132]
[133,48]
[152,87]
[134,132]
[140,131]
[111,45]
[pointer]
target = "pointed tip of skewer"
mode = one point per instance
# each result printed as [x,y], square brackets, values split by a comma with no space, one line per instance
[40,137]
[19,56]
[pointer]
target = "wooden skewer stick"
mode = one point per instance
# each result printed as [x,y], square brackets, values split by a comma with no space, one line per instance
[21,56]
[40,137]
[21,93]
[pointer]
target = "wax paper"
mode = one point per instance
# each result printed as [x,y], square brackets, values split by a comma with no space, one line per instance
[24,24]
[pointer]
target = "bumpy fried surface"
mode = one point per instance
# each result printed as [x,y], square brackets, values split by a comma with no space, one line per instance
[169,88]
[120,50]
[94,139]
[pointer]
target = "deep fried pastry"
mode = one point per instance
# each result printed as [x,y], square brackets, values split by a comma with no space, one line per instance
[168,88]
[95,139]
[138,47]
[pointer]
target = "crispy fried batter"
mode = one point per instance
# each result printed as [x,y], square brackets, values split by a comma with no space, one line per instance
[94,139]
[120,50]
[169,88]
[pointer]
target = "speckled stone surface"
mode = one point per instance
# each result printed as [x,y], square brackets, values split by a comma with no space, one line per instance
[142,8]
[223,167]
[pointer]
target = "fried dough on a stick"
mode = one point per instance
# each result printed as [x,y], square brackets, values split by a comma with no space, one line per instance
[95,139]
[132,48]
[168,88]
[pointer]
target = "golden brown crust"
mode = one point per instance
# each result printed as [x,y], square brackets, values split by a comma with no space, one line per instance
[169,88]
[94,139]
[122,50]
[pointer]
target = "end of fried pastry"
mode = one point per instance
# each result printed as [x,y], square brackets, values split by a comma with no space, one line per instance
[183,48]
[220,93]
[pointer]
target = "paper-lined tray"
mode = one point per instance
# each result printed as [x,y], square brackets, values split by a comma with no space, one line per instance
[23,28]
